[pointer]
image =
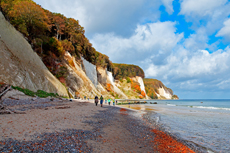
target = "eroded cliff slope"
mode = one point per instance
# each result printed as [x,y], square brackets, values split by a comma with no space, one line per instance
[21,66]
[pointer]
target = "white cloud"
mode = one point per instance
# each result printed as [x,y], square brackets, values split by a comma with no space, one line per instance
[168,5]
[207,17]
[153,39]
[198,70]
[225,84]
[197,40]
[200,7]
[209,14]
[225,31]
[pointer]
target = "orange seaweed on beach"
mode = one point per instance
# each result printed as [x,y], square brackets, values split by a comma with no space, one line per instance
[166,143]
[122,111]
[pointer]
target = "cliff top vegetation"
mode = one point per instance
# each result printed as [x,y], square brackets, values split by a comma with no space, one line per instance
[121,71]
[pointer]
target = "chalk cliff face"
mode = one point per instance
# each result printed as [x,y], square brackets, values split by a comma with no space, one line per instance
[140,81]
[115,88]
[110,77]
[90,71]
[164,93]
[21,66]
[106,78]
[78,80]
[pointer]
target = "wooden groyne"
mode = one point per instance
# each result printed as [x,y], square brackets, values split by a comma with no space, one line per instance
[130,101]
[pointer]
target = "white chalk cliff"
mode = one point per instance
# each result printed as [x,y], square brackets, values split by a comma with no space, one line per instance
[164,93]
[90,71]
[140,81]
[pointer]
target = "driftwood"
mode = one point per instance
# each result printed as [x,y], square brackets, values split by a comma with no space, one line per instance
[7,111]
[3,90]
[62,107]
[3,110]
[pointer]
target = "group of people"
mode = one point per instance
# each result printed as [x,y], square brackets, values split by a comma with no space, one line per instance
[102,100]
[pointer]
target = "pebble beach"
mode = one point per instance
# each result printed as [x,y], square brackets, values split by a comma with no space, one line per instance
[60,125]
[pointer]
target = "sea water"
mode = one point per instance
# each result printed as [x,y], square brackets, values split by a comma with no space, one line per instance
[203,122]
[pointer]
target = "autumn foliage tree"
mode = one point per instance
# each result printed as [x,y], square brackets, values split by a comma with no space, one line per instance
[143,93]
[108,87]
[51,34]
[29,18]
[58,22]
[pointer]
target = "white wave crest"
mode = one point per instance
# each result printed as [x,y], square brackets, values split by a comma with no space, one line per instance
[171,104]
[221,108]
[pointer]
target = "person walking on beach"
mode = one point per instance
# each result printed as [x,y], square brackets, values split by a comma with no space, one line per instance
[105,101]
[101,100]
[96,100]
[114,102]
[109,101]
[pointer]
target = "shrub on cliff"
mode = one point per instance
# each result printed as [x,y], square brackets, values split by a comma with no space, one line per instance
[175,97]
[128,80]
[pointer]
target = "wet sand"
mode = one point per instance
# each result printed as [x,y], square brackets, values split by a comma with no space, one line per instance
[80,126]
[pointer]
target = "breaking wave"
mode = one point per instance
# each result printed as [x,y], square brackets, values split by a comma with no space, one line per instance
[171,105]
[203,107]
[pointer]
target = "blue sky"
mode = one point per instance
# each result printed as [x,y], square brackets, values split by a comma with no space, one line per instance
[183,43]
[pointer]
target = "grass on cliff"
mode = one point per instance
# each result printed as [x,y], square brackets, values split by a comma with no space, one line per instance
[39,93]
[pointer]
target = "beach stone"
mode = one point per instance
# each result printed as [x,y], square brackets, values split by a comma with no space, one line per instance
[18,112]
[62,107]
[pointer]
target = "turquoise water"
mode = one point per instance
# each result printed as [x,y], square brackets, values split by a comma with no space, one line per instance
[204,122]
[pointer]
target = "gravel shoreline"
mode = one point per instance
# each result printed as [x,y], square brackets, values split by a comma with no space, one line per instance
[80,127]
[195,147]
